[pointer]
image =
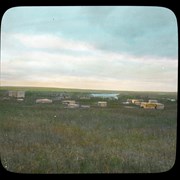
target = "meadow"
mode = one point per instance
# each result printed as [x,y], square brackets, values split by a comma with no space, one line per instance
[48,138]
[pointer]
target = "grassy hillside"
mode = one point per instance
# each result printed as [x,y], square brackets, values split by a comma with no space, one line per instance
[48,138]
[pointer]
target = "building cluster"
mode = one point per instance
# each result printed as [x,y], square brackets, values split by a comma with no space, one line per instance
[150,104]
[71,104]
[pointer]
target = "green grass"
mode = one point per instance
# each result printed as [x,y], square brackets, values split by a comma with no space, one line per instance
[95,140]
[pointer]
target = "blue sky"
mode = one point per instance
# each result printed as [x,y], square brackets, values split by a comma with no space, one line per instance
[100,47]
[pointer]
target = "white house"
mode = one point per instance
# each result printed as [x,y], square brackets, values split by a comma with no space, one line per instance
[102,103]
[68,102]
[20,94]
[43,101]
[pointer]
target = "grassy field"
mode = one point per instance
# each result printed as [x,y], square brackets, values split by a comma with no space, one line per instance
[48,138]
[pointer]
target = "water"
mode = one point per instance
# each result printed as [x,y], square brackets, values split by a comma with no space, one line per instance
[105,95]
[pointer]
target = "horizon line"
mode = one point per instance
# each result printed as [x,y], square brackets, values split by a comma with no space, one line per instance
[89,89]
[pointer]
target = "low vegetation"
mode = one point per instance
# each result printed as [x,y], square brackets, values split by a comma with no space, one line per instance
[48,138]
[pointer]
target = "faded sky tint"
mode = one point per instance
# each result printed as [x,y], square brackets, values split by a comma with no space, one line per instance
[100,47]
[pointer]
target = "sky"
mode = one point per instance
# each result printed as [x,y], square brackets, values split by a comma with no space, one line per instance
[90,47]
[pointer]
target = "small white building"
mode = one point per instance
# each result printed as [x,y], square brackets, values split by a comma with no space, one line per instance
[159,106]
[73,105]
[20,94]
[43,101]
[102,103]
[85,106]
[20,99]
[137,101]
[12,93]
[126,102]
[129,100]
[153,101]
[68,102]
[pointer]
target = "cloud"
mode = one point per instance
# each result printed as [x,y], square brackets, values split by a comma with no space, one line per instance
[47,41]
[28,59]
[137,31]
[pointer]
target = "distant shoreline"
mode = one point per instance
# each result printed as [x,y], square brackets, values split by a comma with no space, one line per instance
[74,89]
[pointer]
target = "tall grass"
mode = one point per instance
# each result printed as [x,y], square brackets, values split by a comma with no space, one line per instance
[47,138]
